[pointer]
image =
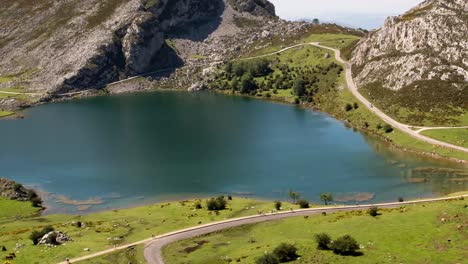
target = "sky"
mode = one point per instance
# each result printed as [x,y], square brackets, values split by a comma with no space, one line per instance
[368,14]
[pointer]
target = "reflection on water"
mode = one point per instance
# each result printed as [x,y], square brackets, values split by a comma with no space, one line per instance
[443,178]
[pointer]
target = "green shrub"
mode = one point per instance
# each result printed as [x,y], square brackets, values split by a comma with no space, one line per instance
[345,245]
[17,187]
[36,202]
[285,252]
[373,211]
[278,205]
[303,203]
[268,258]
[216,204]
[297,100]
[348,107]
[388,128]
[323,241]
[36,236]
[52,239]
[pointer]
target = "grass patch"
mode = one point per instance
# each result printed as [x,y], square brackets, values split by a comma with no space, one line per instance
[103,230]
[11,209]
[5,113]
[129,255]
[429,233]
[458,137]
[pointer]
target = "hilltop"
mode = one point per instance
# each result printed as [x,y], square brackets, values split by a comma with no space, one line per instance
[415,67]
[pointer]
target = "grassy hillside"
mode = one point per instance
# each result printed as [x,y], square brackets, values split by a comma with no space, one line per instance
[12,210]
[428,233]
[103,230]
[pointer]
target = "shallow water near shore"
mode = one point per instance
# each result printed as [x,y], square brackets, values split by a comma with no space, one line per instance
[119,151]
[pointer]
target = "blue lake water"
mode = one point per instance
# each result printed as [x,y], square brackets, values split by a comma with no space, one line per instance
[119,151]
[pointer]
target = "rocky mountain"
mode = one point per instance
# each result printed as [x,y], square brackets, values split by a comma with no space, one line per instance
[418,60]
[64,45]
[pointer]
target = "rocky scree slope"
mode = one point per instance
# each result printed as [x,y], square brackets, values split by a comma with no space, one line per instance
[70,45]
[419,59]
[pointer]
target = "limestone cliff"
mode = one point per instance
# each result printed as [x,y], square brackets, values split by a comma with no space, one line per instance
[68,45]
[420,57]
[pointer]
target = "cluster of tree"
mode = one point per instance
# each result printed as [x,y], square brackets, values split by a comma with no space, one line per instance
[37,235]
[32,195]
[386,128]
[295,197]
[256,68]
[345,245]
[216,204]
[241,76]
[281,254]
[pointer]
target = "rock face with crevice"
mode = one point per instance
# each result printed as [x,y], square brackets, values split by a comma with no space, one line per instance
[427,45]
[69,45]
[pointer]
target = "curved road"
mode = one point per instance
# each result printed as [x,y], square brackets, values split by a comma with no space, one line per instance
[154,245]
[403,127]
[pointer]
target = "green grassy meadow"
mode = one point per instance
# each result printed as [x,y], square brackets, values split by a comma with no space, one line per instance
[425,233]
[455,136]
[103,230]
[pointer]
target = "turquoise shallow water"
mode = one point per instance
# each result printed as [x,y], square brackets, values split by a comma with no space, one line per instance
[134,149]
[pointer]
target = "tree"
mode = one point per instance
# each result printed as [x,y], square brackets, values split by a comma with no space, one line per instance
[316,21]
[238,69]
[299,87]
[216,204]
[278,205]
[348,107]
[17,187]
[36,236]
[268,258]
[323,241]
[303,203]
[326,197]
[36,202]
[285,252]
[198,205]
[345,245]
[228,68]
[388,128]
[294,196]
[247,83]
[373,211]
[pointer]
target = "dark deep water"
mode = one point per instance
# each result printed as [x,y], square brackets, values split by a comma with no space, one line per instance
[124,150]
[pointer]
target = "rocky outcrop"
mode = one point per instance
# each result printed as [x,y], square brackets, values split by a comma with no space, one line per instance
[255,7]
[428,44]
[54,238]
[14,191]
[67,45]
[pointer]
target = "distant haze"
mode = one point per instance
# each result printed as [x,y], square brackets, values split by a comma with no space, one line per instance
[368,14]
